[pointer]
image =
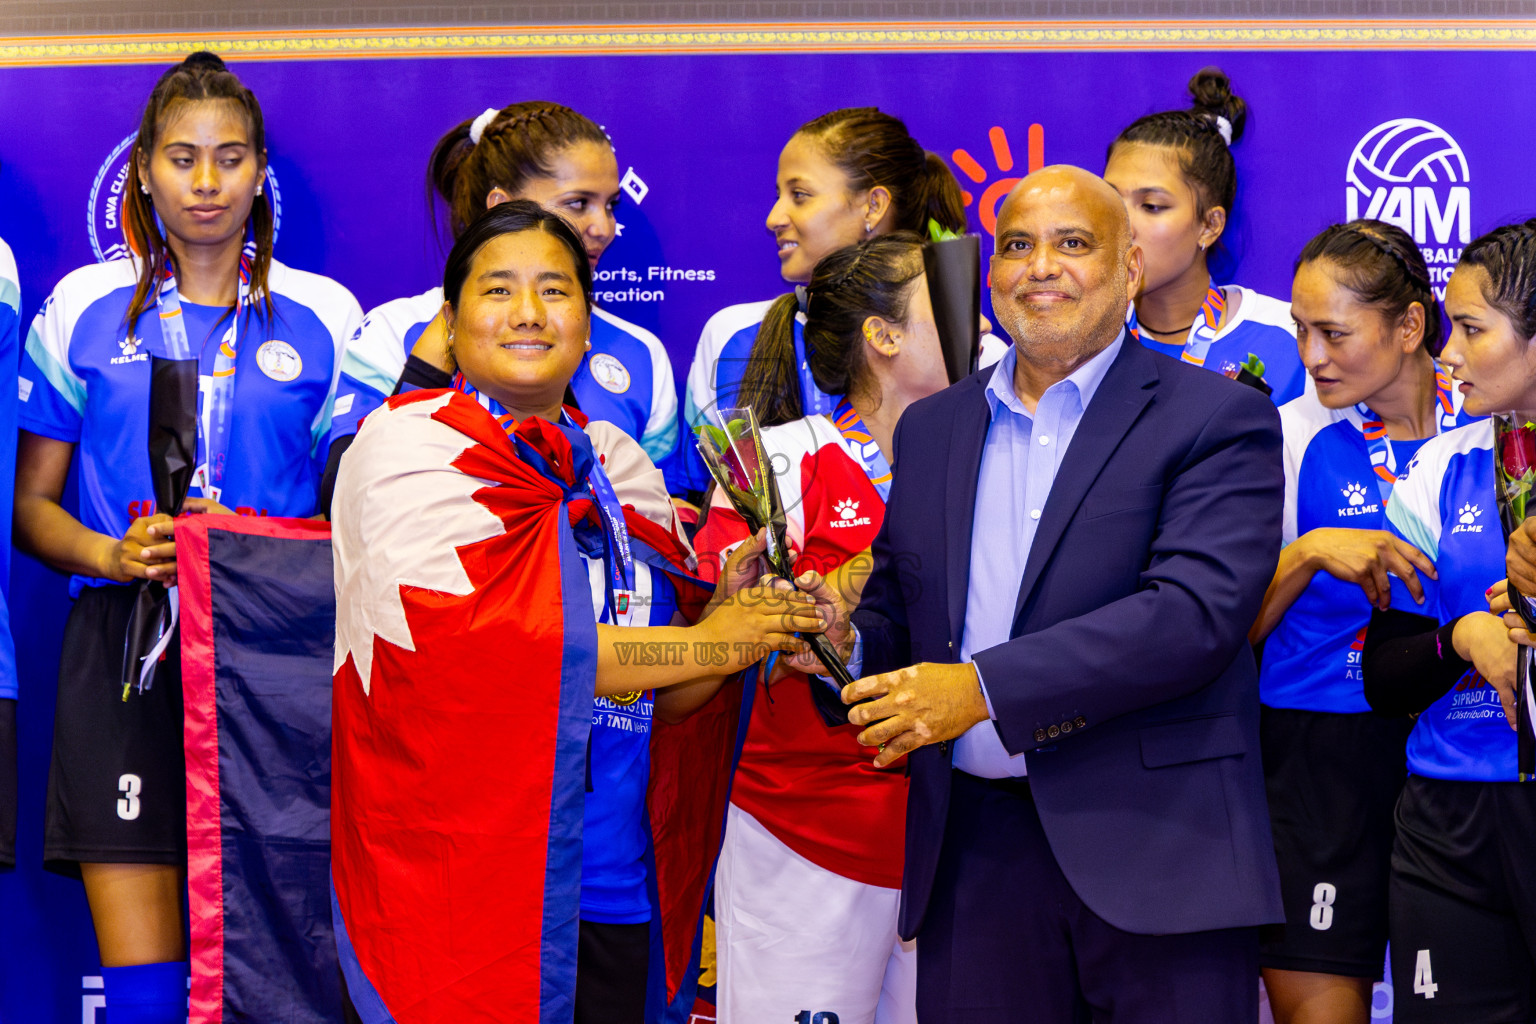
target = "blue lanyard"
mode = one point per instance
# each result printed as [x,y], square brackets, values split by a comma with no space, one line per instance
[618,557]
[217,392]
[1374,430]
[876,466]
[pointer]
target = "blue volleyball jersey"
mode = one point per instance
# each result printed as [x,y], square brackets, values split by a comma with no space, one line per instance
[1312,659]
[85,379]
[1445,507]
[720,362]
[614,836]
[10,357]
[1260,326]
[625,380]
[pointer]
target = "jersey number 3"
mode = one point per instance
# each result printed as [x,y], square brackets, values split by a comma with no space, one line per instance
[128,806]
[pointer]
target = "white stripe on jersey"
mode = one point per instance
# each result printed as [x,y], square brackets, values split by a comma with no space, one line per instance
[1414,508]
[336,309]
[10,290]
[376,353]
[1300,421]
[54,325]
[720,328]
[1257,308]
[660,434]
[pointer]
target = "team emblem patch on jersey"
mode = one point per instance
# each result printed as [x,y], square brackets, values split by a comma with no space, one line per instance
[279,360]
[624,700]
[610,373]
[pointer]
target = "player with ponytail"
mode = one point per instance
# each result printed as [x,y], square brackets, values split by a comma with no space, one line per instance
[205,286]
[852,174]
[809,882]
[1176,174]
[563,161]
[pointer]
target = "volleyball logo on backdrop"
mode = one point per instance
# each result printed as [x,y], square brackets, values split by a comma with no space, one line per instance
[104,208]
[1411,173]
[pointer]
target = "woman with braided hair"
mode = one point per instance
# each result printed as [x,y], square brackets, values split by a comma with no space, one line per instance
[1175,172]
[205,286]
[561,160]
[1367,328]
[809,881]
[852,174]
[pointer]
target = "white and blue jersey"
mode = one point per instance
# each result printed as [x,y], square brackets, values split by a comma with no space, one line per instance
[1445,507]
[1260,326]
[1312,659]
[625,380]
[720,362]
[10,357]
[85,379]
[614,828]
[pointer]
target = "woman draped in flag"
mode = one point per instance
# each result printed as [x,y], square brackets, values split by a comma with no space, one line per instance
[809,881]
[1175,171]
[561,160]
[1367,325]
[848,175]
[483,804]
[1463,910]
[266,341]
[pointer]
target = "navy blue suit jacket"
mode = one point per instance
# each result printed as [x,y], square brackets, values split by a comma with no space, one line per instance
[1128,679]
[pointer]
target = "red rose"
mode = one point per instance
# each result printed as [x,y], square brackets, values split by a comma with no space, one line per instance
[1518,451]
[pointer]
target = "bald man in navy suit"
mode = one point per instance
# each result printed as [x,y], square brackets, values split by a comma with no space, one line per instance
[1076,543]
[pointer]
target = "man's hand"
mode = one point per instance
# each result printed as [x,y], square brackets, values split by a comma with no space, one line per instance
[916,706]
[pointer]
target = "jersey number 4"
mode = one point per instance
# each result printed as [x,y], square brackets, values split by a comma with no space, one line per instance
[1423,978]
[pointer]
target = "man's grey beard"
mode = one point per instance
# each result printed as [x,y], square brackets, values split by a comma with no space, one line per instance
[1045,346]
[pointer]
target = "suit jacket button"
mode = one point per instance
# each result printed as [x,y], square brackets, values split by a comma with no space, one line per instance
[1053,732]
[1066,727]
[1039,735]
[1080,722]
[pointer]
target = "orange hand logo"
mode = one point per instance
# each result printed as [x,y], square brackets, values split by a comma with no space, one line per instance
[1002,156]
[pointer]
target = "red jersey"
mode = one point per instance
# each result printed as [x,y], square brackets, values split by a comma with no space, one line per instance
[814,787]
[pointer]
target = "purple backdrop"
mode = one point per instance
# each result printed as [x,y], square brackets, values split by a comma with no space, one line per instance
[349,140]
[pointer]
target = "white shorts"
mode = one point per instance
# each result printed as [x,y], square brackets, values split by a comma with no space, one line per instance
[795,942]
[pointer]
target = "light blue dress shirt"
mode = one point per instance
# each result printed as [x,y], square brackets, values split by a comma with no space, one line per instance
[1018,466]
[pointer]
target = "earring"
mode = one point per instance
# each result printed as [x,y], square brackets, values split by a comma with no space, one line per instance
[589,347]
[258,190]
[143,188]
[868,227]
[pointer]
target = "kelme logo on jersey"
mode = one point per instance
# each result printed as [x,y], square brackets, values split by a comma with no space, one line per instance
[1467,519]
[279,360]
[609,372]
[104,208]
[131,354]
[1356,502]
[1411,173]
[848,514]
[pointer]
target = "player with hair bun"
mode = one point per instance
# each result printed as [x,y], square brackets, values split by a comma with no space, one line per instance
[563,161]
[268,341]
[1176,173]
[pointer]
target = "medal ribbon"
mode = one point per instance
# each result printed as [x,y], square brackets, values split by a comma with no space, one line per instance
[876,466]
[217,393]
[1203,333]
[618,556]
[1374,430]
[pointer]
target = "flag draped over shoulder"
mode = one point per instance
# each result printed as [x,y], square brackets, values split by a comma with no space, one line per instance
[257,633]
[465,666]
